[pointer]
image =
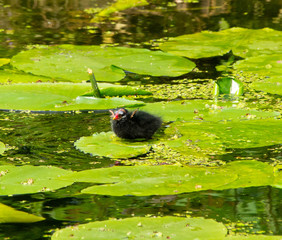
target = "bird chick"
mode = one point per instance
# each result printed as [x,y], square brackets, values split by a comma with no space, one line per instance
[136,124]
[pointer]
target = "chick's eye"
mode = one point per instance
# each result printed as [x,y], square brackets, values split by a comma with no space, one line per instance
[121,113]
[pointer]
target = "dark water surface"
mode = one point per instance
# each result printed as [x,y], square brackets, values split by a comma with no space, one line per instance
[47,139]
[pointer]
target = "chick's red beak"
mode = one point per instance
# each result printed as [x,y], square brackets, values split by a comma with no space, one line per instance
[116,117]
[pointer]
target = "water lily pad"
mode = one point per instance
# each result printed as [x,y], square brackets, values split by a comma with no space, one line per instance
[108,145]
[152,180]
[243,42]
[146,228]
[167,179]
[10,215]
[4,61]
[269,68]
[31,179]
[2,147]
[57,97]
[71,62]
[12,76]
[228,86]
[199,110]
[215,138]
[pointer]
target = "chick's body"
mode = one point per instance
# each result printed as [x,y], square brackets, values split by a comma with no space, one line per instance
[136,124]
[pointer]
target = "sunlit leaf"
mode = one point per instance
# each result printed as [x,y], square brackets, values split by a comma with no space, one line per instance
[215,138]
[4,61]
[108,145]
[58,97]
[243,42]
[10,215]
[199,110]
[31,179]
[69,62]
[268,68]
[167,179]
[146,228]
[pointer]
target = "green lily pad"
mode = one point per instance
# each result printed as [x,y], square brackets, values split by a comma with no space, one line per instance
[10,215]
[2,147]
[31,179]
[204,139]
[243,42]
[267,67]
[57,97]
[199,110]
[152,180]
[167,179]
[108,145]
[12,76]
[146,228]
[71,62]
[4,61]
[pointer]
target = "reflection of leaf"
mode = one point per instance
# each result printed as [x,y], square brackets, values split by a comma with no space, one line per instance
[107,145]
[267,67]
[10,215]
[2,147]
[242,42]
[119,5]
[146,228]
[71,62]
[167,180]
[57,97]
[31,179]
[199,110]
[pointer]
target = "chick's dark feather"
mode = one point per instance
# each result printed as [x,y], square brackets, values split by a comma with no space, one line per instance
[137,124]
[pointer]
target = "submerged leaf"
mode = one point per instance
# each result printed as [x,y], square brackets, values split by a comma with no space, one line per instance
[146,228]
[108,145]
[10,215]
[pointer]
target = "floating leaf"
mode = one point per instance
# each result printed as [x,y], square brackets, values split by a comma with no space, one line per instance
[214,138]
[31,179]
[4,61]
[10,215]
[199,110]
[267,67]
[146,228]
[243,42]
[2,147]
[57,97]
[167,179]
[12,76]
[71,62]
[108,145]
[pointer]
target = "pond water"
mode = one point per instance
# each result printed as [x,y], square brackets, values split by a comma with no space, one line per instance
[47,139]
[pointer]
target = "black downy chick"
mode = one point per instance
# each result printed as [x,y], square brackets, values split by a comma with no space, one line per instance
[136,124]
